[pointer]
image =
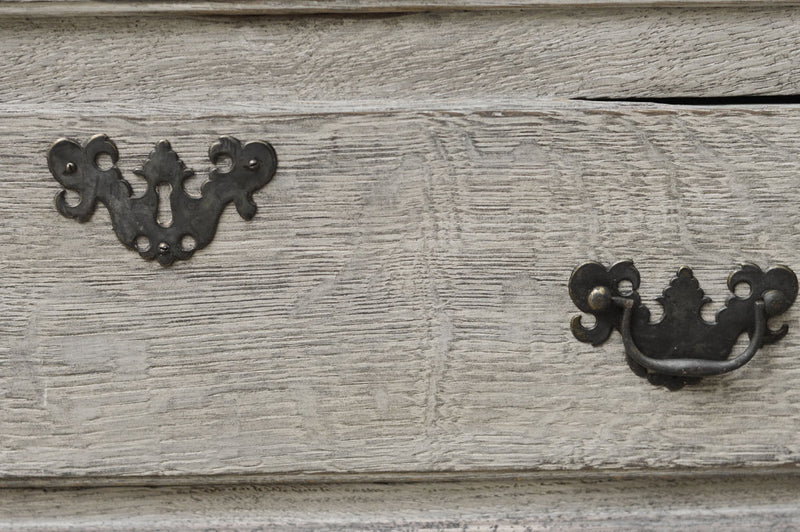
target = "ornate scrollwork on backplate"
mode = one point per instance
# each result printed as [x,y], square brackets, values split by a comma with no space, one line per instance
[681,347]
[135,219]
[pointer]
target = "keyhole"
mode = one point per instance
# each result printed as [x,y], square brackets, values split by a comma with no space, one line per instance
[164,212]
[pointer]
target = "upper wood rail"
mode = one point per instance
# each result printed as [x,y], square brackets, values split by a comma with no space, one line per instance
[287,7]
[415,61]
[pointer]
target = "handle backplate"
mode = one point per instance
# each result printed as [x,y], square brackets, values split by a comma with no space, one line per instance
[681,347]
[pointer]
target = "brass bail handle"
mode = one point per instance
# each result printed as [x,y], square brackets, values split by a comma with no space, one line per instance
[690,367]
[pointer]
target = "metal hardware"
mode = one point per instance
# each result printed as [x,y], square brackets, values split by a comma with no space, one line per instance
[194,220]
[682,347]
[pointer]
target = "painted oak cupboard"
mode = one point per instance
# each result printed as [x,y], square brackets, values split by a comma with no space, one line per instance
[386,344]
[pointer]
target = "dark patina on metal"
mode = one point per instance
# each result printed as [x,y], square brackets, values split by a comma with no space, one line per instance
[135,219]
[682,347]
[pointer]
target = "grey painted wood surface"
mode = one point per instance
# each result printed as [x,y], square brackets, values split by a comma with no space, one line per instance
[399,303]
[417,61]
[61,8]
[657,503]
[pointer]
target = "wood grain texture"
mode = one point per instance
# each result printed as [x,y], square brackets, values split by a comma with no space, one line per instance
[658,503]
[66,8]
[417,61]
[399,303]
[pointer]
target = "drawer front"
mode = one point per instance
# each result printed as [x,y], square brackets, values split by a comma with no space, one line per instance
[399,304]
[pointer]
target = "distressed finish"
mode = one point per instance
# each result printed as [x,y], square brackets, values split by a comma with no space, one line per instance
[387,344]
[414,62]
[401,303]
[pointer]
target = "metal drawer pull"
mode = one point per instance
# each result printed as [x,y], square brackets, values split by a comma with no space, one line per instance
[682,347]
[135,219]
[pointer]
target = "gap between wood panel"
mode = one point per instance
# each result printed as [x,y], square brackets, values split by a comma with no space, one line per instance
[709,101]
[655,502]
[787,472]
[62,8]
[766,105]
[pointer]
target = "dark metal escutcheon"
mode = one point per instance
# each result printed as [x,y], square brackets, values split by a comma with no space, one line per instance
[135,218]
[682,347]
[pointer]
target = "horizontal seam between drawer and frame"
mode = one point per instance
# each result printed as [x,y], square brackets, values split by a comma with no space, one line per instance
[477,475]
[15,8]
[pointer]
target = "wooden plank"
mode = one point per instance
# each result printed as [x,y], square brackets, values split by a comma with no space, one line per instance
[656,503]
[399,303]
[159,64]
[62,8]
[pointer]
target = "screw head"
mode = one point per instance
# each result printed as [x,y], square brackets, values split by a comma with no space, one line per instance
[599,298]
[70,168]
[252,164]
[775,302]
[163,248]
